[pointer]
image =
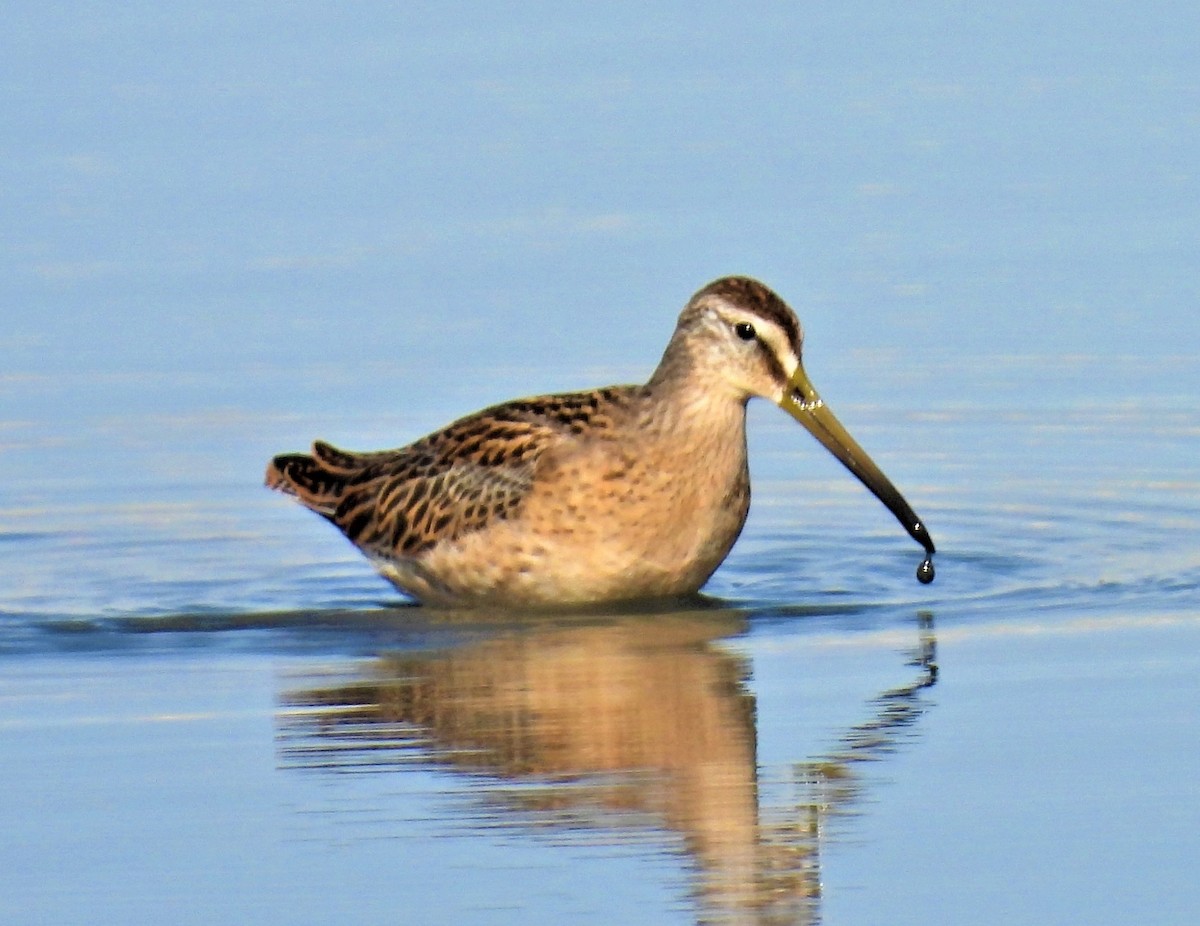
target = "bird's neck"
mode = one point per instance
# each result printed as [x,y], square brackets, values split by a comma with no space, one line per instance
[695,413]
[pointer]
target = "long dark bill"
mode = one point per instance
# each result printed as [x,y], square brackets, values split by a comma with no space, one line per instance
[800,400]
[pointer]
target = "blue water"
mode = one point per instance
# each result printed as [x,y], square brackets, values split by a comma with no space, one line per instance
[228,232]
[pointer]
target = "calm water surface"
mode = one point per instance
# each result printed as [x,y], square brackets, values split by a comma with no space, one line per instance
[229,232]
[205,686]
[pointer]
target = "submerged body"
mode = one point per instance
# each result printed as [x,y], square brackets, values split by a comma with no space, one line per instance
[627,492]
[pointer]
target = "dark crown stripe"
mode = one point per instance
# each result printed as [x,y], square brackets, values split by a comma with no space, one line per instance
[757,298]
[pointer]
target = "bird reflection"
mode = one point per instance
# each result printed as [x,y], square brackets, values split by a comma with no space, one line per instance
[619,724]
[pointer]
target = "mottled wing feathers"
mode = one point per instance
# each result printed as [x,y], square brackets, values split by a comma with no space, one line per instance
[400,503]
[402,506]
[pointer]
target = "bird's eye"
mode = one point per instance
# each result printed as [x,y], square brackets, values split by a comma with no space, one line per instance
[744,330]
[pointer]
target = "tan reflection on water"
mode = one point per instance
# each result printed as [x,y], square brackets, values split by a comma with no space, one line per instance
[618,724]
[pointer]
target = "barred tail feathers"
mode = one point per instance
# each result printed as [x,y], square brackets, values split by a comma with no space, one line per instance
[318,481]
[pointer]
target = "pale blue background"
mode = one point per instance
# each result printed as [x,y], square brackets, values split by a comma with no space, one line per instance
[187,186]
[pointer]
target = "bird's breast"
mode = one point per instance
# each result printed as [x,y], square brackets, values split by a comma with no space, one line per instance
[642,514]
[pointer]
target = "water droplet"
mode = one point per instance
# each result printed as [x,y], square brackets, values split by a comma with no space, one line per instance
[925,571]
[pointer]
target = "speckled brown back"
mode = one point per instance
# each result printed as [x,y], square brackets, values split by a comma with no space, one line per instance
[400,503]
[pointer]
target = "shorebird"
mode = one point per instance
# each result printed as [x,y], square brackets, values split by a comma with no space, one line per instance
[619,493]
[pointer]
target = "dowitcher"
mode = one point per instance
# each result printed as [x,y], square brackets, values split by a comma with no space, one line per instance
[625,492]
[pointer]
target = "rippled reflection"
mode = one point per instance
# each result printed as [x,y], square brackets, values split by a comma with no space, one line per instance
[610,726]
